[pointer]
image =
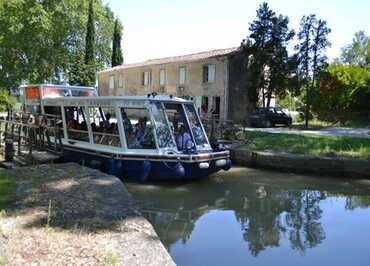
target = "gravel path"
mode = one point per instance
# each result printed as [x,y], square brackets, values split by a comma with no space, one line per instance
[92,220]
[332,131]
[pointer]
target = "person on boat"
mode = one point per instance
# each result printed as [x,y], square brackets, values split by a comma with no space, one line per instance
[72,124]
[107,122]
[142,135]
[94,128]
[182,138]
[126,123]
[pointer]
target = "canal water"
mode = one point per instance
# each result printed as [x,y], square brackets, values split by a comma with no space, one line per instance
[253,217]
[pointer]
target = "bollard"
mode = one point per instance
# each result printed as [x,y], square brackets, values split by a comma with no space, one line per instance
[9,150]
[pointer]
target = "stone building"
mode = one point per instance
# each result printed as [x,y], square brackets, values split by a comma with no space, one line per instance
[203,76]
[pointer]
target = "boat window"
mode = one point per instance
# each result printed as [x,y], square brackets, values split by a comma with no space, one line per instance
[196,126]
[178,124]
[138,128]
[104,126]
[162,129]
[76,123]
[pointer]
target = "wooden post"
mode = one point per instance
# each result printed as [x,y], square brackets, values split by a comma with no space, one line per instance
[12,131]
[9,150]
[60,139]
[30,133]
[1,125]
[19,138]
[55,135]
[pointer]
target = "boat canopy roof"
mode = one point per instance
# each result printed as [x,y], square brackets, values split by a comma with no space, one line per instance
[112,100]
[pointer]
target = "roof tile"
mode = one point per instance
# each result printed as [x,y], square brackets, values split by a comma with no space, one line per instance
[176,59]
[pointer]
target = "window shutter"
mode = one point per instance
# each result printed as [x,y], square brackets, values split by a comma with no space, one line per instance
[162,77]
[205,74]
[211,73]
[182,75]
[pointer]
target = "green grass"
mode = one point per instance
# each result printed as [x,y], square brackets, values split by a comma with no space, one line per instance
[309,144]
[7,190]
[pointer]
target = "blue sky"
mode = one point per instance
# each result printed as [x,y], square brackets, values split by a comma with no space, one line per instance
[160,28]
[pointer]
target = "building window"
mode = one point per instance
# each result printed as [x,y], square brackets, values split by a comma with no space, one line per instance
[162,77]
[111,84]
[209,72]
[120,81]
[146,78]
[182,75]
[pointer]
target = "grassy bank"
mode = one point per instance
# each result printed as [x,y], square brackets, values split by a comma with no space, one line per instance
[7,190]
[309,144]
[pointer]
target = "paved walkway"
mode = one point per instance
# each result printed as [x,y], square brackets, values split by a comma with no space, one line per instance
[330,131]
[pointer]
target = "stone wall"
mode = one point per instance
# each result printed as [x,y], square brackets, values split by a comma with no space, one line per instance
[342,167]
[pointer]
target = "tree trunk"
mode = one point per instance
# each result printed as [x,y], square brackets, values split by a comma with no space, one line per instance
[307,111]
[269,96]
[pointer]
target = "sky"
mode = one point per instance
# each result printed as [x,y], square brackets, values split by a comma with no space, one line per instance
[161,28]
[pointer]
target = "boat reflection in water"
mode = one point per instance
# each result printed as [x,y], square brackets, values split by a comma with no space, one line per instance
[261,217]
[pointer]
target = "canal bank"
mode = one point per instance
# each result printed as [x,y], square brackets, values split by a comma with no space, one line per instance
[66,214]
[296,163]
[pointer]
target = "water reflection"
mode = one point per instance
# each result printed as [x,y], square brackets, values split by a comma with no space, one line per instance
[270,208]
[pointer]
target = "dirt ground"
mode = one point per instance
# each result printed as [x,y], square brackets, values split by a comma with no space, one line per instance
[66,214]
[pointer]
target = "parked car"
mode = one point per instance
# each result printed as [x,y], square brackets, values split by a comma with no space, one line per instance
[269,117]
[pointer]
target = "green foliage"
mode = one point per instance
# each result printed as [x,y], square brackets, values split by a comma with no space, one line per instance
[291,102]
[39,39]
[7,190]
[6,100]
[358,52]
[309,144]
[117,58]
[342,88]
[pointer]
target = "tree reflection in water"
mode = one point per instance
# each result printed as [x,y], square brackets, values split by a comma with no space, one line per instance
[292,213]
[267,209]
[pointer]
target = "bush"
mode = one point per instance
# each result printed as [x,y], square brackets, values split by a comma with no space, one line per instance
[6,100]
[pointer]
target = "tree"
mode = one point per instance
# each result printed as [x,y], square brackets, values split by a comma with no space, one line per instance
[39,39]
[268,59]
[358,52]
[257,49]
[90,55]
[313,41]
[279,62]
[117,58]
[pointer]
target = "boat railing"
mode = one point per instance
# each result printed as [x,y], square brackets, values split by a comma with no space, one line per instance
[33,131]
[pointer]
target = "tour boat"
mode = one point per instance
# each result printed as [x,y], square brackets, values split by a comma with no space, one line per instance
[141,138]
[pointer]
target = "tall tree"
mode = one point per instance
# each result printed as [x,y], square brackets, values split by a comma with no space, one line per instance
[279,61]
[117,58]
[358,52]
[313,41]
[90,54]
[266,48]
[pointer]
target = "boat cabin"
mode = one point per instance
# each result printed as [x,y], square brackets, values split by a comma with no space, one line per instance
[160,124]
